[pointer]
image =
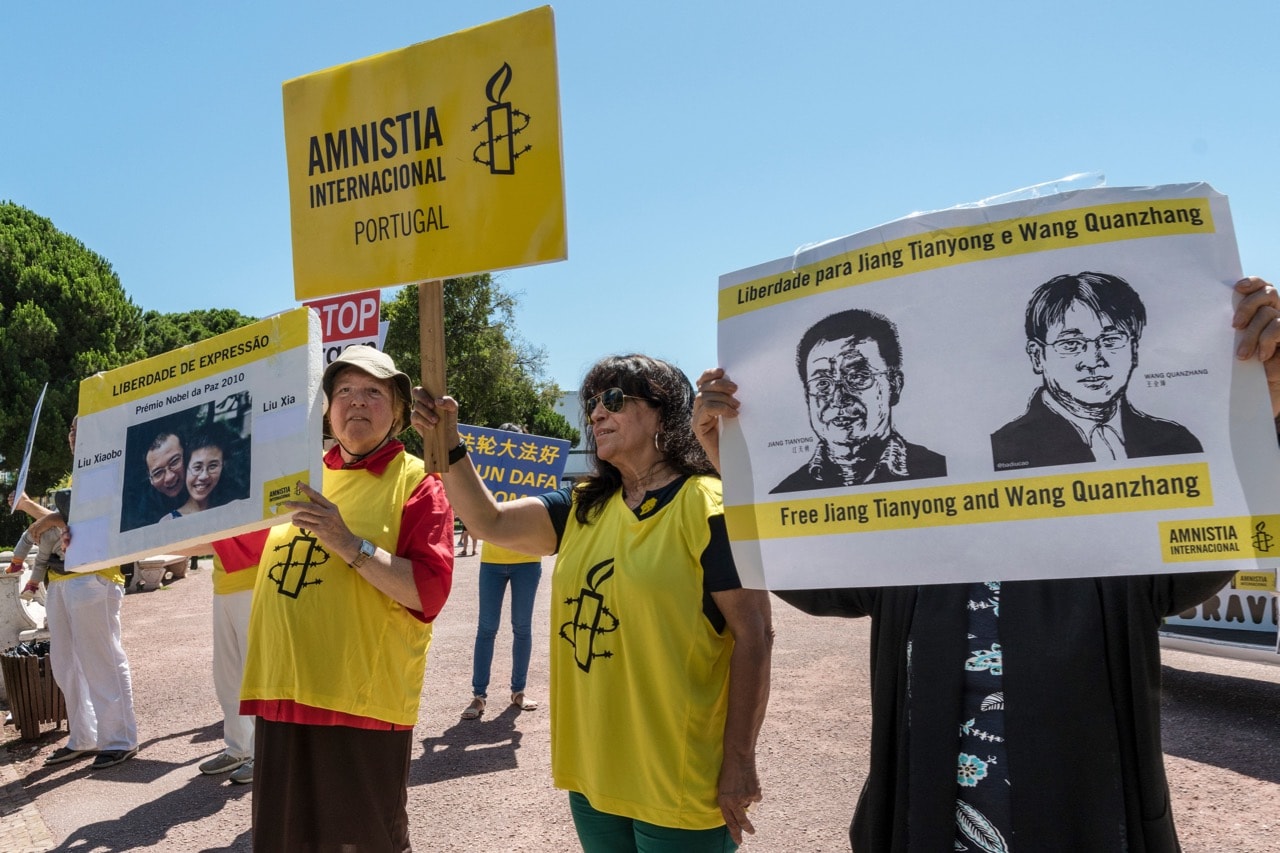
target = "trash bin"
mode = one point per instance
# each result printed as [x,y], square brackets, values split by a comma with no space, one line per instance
[34,697]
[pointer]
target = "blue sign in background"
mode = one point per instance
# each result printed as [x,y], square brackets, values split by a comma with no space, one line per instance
[513,464]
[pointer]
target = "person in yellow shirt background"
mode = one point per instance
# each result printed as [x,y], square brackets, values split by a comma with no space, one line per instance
[499,567]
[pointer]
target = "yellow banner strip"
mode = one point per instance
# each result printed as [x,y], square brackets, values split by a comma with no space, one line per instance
[176,371]
[949,247]
[1163,487]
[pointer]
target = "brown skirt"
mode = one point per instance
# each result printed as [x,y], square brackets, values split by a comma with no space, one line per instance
[330,789]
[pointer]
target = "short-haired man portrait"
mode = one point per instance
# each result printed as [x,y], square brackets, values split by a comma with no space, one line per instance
[166,468]
[851,366]
[1082,338]
[166,473]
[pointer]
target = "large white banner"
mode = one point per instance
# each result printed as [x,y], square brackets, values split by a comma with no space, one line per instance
[1042,388]
[202,442]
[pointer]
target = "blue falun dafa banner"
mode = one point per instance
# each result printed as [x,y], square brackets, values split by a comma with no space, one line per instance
[515,465]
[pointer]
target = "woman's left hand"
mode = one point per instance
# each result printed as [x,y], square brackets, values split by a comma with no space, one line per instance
[739,789]
[748,616]
[322,517]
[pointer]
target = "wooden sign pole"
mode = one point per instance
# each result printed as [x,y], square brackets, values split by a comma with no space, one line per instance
[431,343]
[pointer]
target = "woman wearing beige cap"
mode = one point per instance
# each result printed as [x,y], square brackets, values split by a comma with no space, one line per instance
[341,622]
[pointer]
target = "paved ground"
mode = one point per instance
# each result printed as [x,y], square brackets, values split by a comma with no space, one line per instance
[486,785]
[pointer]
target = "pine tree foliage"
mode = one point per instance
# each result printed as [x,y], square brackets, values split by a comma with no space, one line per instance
[63,317]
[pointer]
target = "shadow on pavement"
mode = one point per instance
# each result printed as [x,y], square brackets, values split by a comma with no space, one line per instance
[468,748]
[149,824]
[139,769]
[1237,707]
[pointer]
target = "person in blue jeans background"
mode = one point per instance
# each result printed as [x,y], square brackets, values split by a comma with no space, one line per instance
[498,568]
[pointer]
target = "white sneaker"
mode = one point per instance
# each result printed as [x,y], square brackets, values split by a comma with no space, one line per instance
[221,763]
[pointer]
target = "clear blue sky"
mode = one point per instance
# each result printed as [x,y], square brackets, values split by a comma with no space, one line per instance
[699,137]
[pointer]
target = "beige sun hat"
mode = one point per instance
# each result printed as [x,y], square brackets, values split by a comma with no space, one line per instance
[378,365]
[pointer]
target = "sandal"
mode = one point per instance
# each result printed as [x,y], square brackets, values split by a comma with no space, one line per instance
[475,709]
[518,699]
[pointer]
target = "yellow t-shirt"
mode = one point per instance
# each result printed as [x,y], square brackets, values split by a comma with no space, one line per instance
[322,635]
[639,677]
[490,553]
[111,573]
[242,554]
[225,583]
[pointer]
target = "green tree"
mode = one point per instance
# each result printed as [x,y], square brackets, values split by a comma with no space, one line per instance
[547,421]
[63,317]
[494,374]
[166,332]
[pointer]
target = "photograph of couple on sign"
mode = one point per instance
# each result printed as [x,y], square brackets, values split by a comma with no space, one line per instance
[184,463]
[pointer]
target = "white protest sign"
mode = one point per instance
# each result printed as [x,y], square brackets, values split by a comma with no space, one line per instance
[203,442]
[20,485]
[1043,388]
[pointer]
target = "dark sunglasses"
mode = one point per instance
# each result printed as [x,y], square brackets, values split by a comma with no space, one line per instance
[613,398]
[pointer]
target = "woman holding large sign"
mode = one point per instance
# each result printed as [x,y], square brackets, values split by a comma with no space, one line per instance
[1021,715]
[340,626]
[500,568]
[660,660]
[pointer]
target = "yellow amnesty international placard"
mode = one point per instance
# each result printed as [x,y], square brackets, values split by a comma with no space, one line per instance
[438,160]
[276,492]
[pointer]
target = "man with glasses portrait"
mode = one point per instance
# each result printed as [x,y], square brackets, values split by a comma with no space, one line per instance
[166,468]
[1082,339]
[166,489]
[851,365]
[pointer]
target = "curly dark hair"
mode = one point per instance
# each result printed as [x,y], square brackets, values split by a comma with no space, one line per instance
[662,384]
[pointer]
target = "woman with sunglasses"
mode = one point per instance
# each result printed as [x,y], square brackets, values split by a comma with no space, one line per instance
[659,658]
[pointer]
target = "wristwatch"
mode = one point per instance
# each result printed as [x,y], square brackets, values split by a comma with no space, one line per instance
[459,451]
[367,550]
